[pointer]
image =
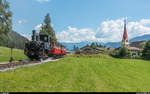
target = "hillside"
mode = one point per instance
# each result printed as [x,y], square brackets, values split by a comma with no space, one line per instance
[5,54]
[80,74]
[13,36]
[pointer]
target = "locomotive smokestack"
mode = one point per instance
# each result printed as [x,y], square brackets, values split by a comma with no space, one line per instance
[33,35]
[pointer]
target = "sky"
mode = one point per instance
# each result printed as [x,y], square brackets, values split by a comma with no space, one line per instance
[83,20]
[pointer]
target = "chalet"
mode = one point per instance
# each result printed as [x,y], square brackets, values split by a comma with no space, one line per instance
[134,51]
[101,49]
[138,44]
[88,50]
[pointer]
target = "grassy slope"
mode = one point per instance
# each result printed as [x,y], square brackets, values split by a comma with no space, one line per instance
[5,54]
[80,74]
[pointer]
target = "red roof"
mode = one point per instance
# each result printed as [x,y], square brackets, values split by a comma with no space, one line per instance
[125,35]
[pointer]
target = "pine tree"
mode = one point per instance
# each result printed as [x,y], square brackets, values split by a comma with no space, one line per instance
[146,51]
[74,47]
[47,29]
[93,45]
[96,44]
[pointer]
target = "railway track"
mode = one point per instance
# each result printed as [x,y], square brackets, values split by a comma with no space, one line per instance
[14,65]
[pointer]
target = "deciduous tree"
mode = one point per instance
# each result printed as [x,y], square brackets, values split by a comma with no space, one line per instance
[146,51]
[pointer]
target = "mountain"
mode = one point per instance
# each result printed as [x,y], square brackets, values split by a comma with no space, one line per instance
[109,44]
[118,44]
[113,44]
[70,46]
[141,38]
[16,38]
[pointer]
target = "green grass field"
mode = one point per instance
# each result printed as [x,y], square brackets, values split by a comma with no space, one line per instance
[80,74]
[5,54]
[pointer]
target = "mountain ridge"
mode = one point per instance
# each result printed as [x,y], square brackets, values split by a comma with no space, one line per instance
[69,46]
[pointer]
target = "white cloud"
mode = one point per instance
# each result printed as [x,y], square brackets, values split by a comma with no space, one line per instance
[112,30]
[108,31]
[20,22]
[28,36]
[42,0]
[74,35]
[38,27]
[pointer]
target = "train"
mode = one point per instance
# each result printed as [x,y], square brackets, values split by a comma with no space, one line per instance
[40,47]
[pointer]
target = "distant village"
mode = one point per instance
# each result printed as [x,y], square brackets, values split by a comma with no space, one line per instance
[135,47]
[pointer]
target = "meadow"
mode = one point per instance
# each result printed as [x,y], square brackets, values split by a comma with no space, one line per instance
[99,73]
[5,54]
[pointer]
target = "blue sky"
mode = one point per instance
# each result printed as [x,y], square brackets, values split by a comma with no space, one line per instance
[95,20]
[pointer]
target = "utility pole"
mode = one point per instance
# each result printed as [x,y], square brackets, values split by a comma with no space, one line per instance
[11,58]
[11,45]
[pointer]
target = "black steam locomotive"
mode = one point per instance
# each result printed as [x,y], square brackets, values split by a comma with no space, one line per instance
[40,47]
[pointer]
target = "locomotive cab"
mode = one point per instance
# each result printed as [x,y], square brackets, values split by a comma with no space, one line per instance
[44,38]
[45,41]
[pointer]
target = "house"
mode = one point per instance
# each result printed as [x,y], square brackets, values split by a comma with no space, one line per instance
[138,44]
[134,51]
[88,50]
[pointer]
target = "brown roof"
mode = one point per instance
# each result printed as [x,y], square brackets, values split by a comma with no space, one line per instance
[101,48]
[111,49]
[87,46]
[133,48]
[91,50]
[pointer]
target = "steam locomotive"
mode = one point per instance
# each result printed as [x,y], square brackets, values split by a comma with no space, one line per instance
[40,47]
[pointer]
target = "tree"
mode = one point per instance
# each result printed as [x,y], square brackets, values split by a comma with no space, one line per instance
[93,45]
[74,47]
[146,51]
[100,45]
[96,44]
[47,29]
[5,17]
[5,22]
[124,52]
